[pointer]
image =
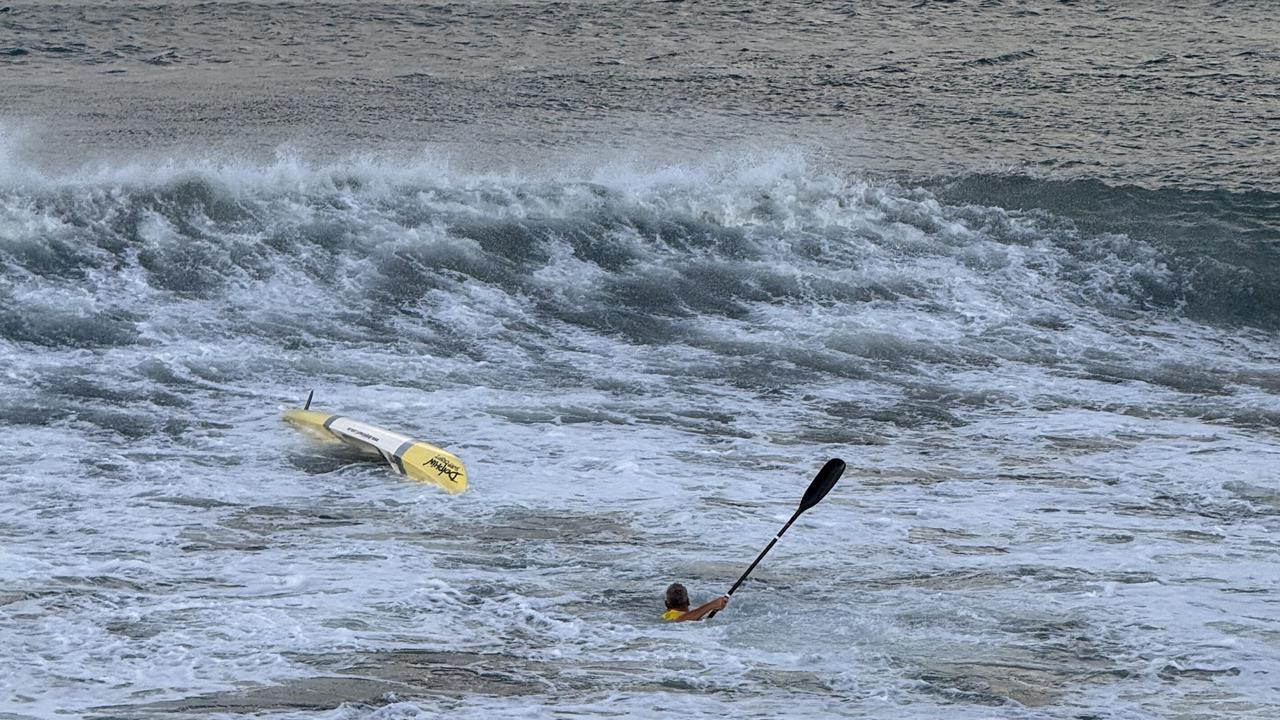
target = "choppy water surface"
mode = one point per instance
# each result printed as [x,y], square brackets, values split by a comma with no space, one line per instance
[1183,94]
[1057,391]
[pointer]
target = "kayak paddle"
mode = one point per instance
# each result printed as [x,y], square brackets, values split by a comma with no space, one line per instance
[818,489]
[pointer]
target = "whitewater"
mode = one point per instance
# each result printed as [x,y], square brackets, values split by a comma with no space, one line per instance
[1059,493]
[644,268]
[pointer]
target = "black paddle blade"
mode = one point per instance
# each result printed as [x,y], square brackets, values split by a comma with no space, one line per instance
[822,484]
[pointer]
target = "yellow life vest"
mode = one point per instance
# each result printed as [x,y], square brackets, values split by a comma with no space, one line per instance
[673,614]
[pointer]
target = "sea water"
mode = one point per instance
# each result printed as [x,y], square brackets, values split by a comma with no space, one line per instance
[644,267]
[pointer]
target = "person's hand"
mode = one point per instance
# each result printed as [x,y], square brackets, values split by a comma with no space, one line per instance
[720,602]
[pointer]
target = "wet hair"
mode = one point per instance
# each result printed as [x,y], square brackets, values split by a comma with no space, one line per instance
[677,597]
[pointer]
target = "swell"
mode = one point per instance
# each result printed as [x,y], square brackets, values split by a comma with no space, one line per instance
[761,276]
[85,263]
[1220,250]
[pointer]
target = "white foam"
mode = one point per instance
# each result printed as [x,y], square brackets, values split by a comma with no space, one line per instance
[1080,520]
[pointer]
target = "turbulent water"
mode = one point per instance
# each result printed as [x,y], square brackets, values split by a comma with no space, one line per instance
[644,267]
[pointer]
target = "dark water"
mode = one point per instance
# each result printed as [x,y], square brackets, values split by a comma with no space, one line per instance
[1169,94]
[644,267]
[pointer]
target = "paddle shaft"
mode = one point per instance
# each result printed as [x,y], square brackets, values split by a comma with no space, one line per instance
[760,557]
[764,552]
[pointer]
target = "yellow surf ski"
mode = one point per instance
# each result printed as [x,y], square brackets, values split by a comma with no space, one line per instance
[414,458]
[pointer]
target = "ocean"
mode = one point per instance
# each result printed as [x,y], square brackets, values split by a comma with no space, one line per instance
[645,267]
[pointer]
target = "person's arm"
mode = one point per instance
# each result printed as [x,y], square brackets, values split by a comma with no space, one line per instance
[701,611]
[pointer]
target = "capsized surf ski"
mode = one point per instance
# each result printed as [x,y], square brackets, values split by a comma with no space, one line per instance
[414,458]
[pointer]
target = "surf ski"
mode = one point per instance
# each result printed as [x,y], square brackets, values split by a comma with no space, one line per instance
[407,456]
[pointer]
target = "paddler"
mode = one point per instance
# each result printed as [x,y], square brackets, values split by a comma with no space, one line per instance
[678,605]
